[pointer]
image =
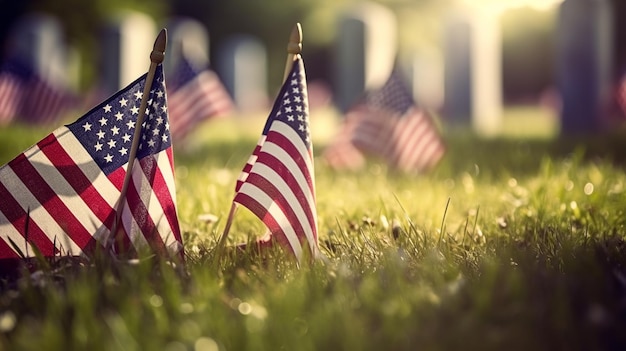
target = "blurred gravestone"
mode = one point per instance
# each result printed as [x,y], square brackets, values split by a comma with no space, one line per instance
[127,41]
[426,77]
[38,40]
[584,63]
[473,77]
[366,51]
[242,65]
[186,36]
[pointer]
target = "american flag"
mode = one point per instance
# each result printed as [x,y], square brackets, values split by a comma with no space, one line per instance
[195,95]
[27,96]
[60,195]
[389,124]
[278,184]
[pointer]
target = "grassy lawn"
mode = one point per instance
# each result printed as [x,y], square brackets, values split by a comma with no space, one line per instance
[512,243]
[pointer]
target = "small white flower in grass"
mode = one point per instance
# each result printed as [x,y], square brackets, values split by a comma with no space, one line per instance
[7,321]
[501,221]
[244,308]
[223,176]
[208,218]
[384,222]
[156,301]
[456,285]
[186,308]
[588,189]
[205,344]
[512,182]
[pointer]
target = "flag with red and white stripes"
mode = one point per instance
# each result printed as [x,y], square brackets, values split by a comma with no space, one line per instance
[278,184]
[61,194]
[389,124]
[195,95]
[28,97]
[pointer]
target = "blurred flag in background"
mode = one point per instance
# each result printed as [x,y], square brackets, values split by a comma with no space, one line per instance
[27,97]
[195,95]
[387,123]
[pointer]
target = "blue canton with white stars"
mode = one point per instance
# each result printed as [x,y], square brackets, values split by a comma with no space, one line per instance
[293,107]
[394,95]
[107,131]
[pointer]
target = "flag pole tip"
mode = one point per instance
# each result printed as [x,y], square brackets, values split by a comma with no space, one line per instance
[295,40]
[158,51]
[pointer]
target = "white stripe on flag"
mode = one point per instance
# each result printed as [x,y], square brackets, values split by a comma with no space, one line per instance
[164,165]
[65,192]
[150,199]
[273,210]
[291,134]
[276,180]
[38,214]
[7,230]
[133,230]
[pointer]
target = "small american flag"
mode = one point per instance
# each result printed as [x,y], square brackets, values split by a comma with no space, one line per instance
[60,195]
[28,97]
[277,184]
[390,125]
[194,96]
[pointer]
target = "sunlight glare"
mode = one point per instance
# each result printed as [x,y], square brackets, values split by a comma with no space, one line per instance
[503,5]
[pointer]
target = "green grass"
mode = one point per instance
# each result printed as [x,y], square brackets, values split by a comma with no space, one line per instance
[510,243]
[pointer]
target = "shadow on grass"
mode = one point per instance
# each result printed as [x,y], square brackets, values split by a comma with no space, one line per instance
[544,294]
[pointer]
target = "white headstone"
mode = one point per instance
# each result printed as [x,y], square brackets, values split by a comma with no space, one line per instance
[128,39]
[473,68]
[427,79]
[242,65]
[186,36]
[366,49]
[39,41]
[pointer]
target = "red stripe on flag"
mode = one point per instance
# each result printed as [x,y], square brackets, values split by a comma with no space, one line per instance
[17,216]
[287,145]
[295,187]
[117,178]
[247,167]
[278,198]
[121,238]
[142,216]
[260,211]
[163,195]
[7,251]
[49,199]
[77,179]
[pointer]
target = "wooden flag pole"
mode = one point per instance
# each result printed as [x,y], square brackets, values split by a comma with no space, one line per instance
[156,57]
[229,222]
[294,47]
